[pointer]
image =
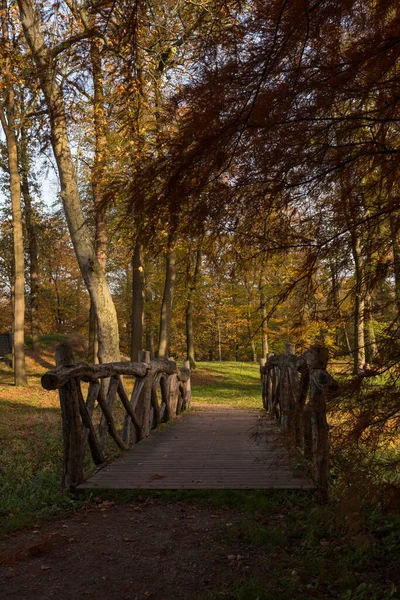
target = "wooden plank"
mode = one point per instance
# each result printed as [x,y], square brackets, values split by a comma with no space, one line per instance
[211,448]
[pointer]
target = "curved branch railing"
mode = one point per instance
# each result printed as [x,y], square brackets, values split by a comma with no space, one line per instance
[294,392]
[142,410]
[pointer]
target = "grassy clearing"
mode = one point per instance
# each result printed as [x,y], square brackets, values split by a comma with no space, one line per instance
[234,383]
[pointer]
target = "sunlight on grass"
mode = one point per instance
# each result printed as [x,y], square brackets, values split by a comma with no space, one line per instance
[233,383]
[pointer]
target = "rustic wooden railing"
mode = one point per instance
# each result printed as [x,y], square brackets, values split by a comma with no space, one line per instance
[160,391]
[294,392]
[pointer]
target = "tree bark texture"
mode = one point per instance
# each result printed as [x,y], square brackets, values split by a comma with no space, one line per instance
[371,348]
[359,306]
[101,238]
[90,267]
[32,242]
[192,283]
[395,235]
[264,319]
[166,307]
[71,423]
[137,301]
[7,117]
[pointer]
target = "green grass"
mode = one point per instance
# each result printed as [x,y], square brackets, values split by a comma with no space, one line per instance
[234,383]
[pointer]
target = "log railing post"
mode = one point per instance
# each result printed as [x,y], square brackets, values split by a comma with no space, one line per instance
[319,380]
[73,456]
[173,395]
[143,409]
[188,389]
[264,378]
[144,402]
[306,422]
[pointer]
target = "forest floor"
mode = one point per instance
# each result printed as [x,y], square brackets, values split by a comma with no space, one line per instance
[222,544]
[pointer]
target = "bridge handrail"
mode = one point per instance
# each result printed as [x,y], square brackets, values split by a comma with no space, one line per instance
[143,410]
[294,392]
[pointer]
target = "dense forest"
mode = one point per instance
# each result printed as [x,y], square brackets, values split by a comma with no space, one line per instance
[227,179]
[212,181]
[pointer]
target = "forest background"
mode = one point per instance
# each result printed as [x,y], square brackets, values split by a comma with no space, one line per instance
[227,177]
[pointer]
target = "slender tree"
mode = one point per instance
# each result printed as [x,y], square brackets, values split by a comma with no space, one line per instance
[92,272]
[8,121]
[166,306]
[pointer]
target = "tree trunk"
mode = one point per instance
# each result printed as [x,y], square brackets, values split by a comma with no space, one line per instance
[90,267]
[264,320]
[359,340]
[32,243]
[192,283]
[137,301]
[219,341]
[395,234]
[336,308]
[93,338]
[19,276]
[371,349]
[166,307]
[149,323]
[250,334]
[101,238]
[7,118]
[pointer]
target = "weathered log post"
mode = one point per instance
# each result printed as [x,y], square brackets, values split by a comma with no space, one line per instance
[187,400]
[269,387]
[264,379]
[273,388]
[164,386]
[173,395]
[306,433]
[319,380]
[144,404]
[315,358]
[73,458]
[302,412]
[284,392]
[184,387]
[306,422]
[289,387]
[320,383]
[154,401]
[284,385]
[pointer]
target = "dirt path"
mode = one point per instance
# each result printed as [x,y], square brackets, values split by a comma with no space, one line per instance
[108,551]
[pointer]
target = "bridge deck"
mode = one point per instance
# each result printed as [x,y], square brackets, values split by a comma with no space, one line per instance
[212,447]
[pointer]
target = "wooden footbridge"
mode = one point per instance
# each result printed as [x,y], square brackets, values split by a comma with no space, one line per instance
[207,447]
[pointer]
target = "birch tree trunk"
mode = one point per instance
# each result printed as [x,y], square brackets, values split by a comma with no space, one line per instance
[90,267]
